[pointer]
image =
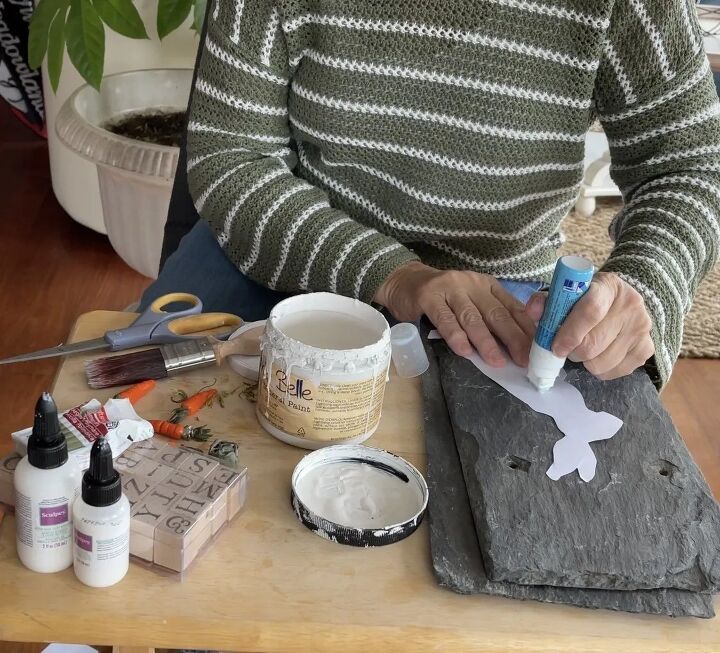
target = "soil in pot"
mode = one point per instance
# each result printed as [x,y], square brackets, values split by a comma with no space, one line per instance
[157,127]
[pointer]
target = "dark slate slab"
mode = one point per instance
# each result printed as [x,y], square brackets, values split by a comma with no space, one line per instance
[647,519]
[457,560]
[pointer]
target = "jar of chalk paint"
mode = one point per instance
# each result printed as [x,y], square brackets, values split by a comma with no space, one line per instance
[323,370]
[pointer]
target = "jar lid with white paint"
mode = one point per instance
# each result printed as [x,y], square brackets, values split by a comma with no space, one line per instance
[359,496]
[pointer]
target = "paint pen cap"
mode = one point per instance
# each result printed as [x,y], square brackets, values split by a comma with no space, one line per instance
[46,448]
[544,367]
[408,352]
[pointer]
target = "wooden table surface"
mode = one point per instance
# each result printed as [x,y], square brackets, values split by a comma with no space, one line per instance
[269,584]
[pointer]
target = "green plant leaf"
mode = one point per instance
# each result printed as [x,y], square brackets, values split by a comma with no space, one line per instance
[56,48]
[122,17]
[85,36]
[172,14]
[199,15]
[40,23]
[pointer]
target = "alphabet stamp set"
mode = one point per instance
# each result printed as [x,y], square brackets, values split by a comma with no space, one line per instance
[180,500]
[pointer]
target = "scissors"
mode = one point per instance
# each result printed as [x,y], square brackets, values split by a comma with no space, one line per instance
[155,326]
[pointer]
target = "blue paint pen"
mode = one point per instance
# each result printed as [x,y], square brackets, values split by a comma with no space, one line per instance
[571,280]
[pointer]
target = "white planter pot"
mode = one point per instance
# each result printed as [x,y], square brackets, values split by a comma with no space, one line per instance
[74,179]
[134,178]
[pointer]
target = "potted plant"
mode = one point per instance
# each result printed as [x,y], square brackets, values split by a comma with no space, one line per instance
[79,26]
[88,42]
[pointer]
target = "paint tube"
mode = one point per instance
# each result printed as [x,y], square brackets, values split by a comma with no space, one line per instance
[116,421]
[570,282]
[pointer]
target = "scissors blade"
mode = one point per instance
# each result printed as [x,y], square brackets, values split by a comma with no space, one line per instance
[60,350]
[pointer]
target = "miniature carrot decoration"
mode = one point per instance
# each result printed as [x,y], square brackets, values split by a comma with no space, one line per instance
[136,392]
[180,432]
[189,406]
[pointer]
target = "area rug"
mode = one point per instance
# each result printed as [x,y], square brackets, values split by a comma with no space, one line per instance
[589,237]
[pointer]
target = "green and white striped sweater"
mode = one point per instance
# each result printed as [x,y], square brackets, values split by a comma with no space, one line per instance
[331,141]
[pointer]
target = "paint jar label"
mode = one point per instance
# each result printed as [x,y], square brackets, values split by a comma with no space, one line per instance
[322,411]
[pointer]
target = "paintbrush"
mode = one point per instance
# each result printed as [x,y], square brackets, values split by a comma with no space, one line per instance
[168,360]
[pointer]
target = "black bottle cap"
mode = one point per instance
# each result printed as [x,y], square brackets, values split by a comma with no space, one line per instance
[101,483]
[46,448]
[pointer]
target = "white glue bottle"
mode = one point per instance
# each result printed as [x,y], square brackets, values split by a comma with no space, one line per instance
[102,522]
[46,484]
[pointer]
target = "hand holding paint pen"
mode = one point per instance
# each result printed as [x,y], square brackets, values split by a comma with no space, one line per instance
[570,282]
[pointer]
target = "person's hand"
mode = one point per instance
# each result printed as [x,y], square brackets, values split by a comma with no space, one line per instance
[469,310]
[608,329]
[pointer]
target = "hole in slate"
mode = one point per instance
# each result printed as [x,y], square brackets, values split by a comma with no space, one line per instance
[513,462]
[666,468]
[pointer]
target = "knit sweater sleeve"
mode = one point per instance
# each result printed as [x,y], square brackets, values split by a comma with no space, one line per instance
[278,229]
[658,105]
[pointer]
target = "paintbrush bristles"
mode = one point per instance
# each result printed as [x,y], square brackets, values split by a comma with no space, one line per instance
[125,369]
[170,359]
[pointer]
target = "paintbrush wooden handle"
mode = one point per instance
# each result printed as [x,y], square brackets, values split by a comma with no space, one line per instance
[246,344]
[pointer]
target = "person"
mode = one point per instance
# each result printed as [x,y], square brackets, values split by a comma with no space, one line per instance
[422,155]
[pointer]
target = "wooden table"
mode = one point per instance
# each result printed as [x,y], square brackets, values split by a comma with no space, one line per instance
[269,584]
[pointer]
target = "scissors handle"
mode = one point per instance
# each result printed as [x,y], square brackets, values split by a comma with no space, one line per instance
[195,326]
[158,326]
[155,313]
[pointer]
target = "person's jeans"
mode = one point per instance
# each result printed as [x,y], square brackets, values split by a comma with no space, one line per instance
[199,266]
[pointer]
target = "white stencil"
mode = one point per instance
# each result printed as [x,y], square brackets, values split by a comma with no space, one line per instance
[565,404]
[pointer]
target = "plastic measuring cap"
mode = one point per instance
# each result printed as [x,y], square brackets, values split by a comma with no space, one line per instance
[408,352]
